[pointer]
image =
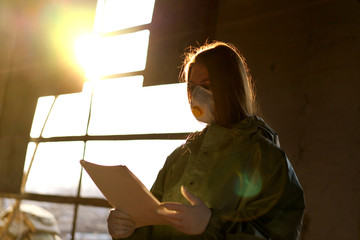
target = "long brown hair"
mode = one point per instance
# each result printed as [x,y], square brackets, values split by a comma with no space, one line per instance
[230,81]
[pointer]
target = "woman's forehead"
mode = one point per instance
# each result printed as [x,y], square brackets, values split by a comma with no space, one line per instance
[198,73]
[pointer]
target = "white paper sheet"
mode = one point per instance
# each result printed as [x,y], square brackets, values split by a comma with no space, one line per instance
[125,192]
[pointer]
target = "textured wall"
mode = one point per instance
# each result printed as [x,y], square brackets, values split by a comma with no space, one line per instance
[305,60]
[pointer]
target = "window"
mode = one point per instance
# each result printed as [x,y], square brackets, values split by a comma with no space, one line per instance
[107,123]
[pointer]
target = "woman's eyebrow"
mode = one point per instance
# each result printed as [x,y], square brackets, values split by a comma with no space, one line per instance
[204,80]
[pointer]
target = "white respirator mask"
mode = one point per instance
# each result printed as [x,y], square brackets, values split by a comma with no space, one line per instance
[202,104]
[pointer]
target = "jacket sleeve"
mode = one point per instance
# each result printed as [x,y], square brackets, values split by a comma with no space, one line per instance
[275,213]
[141,233]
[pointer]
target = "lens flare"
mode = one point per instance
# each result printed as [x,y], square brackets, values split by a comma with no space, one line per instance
[248,185]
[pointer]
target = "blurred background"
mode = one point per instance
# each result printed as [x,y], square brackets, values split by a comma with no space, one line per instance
[98,80]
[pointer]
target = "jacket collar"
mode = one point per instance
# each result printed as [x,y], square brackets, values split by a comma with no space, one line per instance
[215,137]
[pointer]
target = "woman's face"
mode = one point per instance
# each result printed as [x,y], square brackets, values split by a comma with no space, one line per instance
[199,76]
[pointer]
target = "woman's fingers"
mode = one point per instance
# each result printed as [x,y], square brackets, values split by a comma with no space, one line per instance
[170,214]
[117,227]
[173,206]
[120,224]
[173,220]
[189,219]
[123,222]
[119,214]
[190,197]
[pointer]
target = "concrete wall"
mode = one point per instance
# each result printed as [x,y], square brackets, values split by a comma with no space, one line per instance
[305,59]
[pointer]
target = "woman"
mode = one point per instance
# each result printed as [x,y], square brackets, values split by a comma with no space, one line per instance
[231,180]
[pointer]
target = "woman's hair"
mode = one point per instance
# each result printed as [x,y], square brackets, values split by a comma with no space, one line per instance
[230,81]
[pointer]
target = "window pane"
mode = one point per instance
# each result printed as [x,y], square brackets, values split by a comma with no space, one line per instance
[120,14]
[143,157]
[63,213]
[56,168]
[103,88]
[69,116]
[120,54]
[42,110]
[92,223]
[156,109]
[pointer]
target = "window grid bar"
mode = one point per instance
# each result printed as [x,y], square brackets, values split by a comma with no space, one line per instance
[155,136]
[127,30]
[120,75]
[76,207]
[95,202]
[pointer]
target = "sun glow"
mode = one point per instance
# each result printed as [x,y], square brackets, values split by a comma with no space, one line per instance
[100,56]
[87,51]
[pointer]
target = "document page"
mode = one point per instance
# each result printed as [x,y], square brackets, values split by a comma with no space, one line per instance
[125,192]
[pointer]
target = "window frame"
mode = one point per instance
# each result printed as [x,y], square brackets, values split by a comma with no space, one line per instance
[77,200]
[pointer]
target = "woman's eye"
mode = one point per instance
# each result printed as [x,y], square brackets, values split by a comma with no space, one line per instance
[206,86]
[191,86]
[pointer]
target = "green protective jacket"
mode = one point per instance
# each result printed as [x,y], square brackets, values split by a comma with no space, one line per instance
[242,175]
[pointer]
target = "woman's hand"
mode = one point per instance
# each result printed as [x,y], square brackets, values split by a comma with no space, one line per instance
[120,225]
[189,219]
